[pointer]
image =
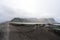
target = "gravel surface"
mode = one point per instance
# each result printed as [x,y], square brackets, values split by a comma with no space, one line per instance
[36,34]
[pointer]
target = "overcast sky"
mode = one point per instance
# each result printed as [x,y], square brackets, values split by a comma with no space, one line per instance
[29,8]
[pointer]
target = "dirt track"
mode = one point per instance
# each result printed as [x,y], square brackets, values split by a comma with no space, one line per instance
[37,34]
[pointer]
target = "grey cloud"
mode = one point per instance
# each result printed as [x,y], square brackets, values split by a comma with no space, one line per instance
[49,8]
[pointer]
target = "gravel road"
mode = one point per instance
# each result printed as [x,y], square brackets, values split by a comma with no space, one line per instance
[37,34]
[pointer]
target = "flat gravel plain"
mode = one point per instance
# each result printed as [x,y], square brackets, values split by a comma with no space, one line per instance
[41,33]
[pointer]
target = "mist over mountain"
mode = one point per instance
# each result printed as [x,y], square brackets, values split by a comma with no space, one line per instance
[40,20]
[29,8]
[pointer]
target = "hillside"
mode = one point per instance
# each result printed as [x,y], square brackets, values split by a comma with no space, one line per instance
[26,32]
[35,20]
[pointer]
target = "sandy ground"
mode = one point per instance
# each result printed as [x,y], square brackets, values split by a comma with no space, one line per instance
[37,34]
